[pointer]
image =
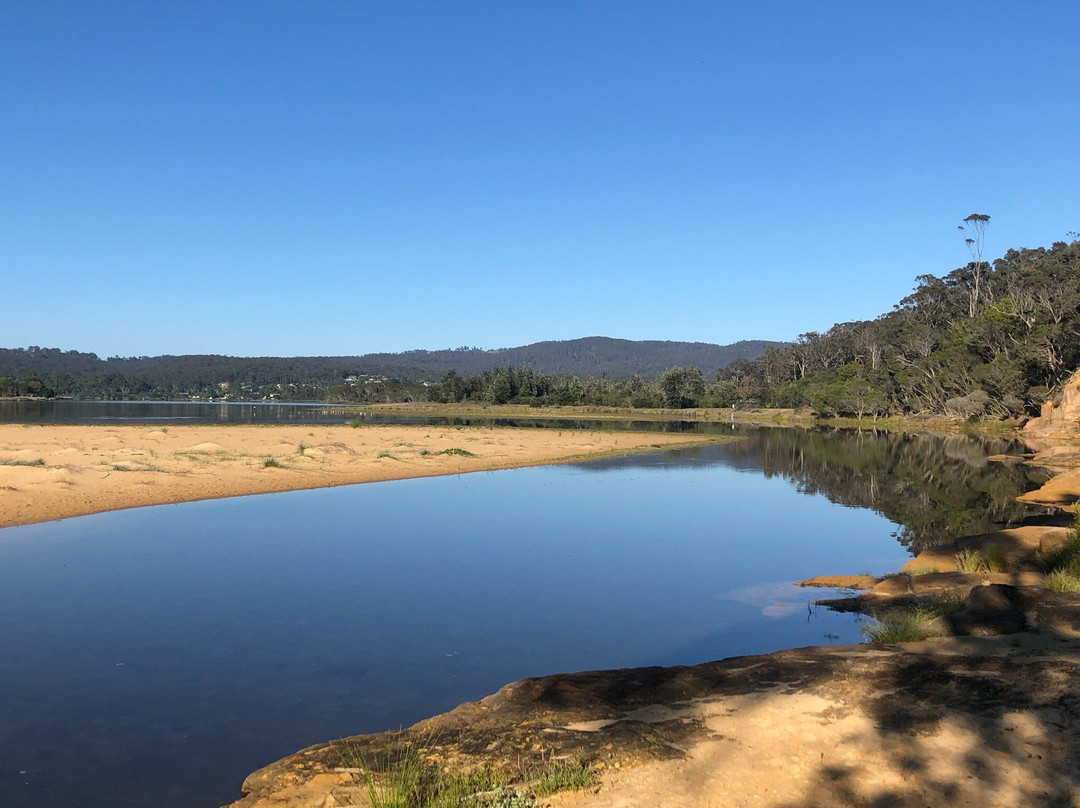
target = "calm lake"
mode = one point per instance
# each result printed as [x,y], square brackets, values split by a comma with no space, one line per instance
[156,656]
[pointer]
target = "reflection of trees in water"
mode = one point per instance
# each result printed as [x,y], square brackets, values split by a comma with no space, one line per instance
[936,488]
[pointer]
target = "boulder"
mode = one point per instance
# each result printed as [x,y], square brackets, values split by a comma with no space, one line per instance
[1062,416]
[989,611]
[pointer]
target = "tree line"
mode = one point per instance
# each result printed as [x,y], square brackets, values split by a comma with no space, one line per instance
[987,339]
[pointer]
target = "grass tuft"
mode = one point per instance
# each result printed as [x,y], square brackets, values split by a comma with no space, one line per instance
[1062,581]
[454,450]
[969,560]
[404,777]
[1065,557]
[909,626]
[569,776]
[14,461]
[271,463]
[997,559]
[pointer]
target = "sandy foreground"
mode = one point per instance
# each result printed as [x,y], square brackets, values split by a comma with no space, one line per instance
[56,471]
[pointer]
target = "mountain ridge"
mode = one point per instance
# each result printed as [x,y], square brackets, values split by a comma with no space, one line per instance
[586,356]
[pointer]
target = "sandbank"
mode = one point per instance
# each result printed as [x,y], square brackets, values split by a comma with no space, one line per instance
[56,471]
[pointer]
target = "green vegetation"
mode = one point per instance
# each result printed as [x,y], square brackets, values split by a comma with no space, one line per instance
[1062,581]
[403,777]
[902,627]
[271,463]
[996,558]
[990,339]
[969,560]
[453,450]
[566,776]
[125,467]
[13,461]
[910,623]
[1065,558]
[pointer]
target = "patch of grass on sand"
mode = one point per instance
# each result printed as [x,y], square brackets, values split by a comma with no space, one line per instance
[271,463]
[454,450]
[404,777]
[997,559]
[14,461]
[124,467]
[1062,581]
[910,624]
[968,560]
[1065,557]
[565,776]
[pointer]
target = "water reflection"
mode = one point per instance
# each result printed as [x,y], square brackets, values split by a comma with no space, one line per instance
[934,488]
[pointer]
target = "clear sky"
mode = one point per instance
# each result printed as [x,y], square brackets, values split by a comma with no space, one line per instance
[297,178]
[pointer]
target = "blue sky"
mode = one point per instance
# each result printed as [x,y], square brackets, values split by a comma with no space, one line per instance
[298,178]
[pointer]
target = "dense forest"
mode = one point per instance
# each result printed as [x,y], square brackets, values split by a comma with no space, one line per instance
[989,339]
[36,371]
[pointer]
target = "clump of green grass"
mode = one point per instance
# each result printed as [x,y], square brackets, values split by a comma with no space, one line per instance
[910,626]
[403,777]
[454,450]
[1062,581]
[969,560]
[389,455]
[567,776]
[301,448]
[124,467]
[271,463]
[1064,557]
[997,559]
[922,571]
[14,461]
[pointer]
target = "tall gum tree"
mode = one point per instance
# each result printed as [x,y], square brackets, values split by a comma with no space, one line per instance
[974,230]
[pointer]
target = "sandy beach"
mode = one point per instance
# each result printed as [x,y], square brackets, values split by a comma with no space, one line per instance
[56,471]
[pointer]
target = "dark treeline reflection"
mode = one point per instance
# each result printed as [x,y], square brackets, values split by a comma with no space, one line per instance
[935,488]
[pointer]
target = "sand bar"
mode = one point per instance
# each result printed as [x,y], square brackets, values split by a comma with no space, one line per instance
[56,471]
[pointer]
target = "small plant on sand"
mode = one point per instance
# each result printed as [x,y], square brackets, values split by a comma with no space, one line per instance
[403,776]
[271,463]
[1062,581]
[1066,556]
[566,776]
[922,571]
[456,451]
[14,461]
[969,560]
[997,559]
[389,455]
[910,626]
[301,448]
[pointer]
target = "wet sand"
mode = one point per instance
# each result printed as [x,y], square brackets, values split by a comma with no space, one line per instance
[56,471]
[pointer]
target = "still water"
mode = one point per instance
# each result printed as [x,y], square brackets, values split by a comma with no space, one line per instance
[156,656]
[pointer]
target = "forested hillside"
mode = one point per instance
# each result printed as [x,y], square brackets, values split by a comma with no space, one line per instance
[986,339]
[373,377]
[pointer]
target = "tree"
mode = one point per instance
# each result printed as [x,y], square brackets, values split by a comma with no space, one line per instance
[974,230]
[682,387]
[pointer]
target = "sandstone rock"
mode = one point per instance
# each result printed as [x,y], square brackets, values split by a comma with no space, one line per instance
[989,611]
[1062,416]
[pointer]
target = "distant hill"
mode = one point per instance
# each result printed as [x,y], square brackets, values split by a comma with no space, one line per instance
[589,356]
